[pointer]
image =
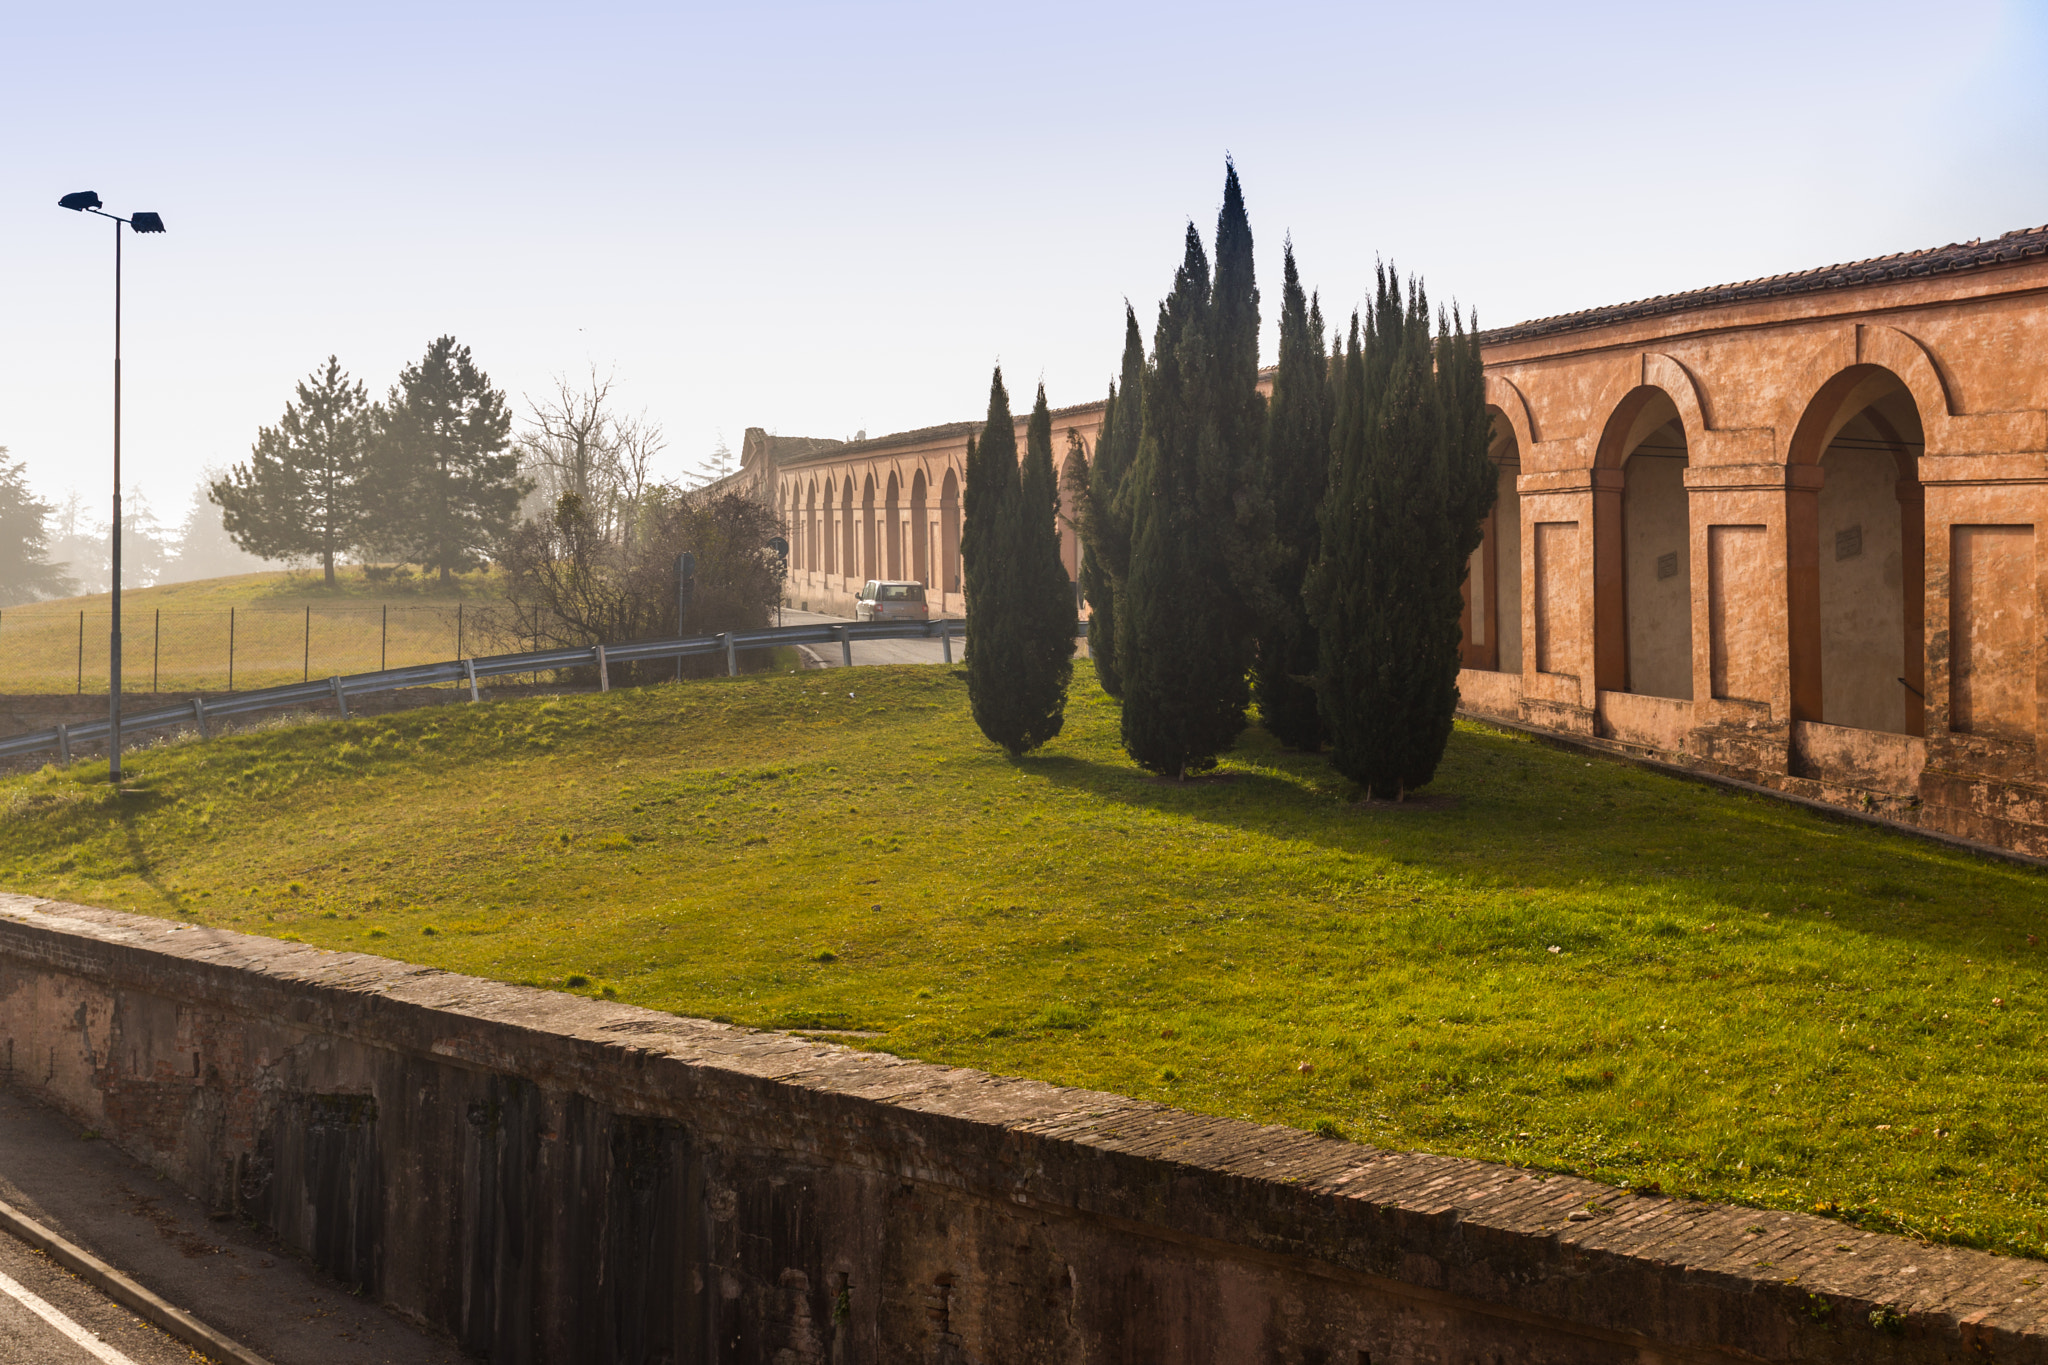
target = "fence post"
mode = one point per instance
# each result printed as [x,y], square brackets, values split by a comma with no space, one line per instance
[732,660]
[604,677]
[64,744]
[845,646]
[946,640]
[340,697]
[458,635]
[199,714]
[469,667]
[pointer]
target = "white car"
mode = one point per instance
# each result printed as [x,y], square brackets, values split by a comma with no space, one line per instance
[891,601]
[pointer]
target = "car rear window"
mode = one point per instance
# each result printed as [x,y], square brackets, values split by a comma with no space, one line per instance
[903,592]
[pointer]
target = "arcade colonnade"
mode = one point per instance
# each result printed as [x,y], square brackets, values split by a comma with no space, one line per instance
[890,509]
[1787,531]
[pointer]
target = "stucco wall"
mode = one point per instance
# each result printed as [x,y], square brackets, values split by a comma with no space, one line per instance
[1507,561]
[1653,509]
[1862,593]
[552,1178]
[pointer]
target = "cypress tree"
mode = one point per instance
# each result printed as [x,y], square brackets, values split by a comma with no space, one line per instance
[1409,485]
[1105,510]
[1184,690]
[1020,603]
[1200,526]
[1297,468]
[1230,480]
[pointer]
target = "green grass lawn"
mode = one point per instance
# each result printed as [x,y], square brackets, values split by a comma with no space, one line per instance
[1579,966]
[178,635]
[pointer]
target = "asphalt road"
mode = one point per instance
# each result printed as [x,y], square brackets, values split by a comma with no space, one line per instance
[871,651]
[48,1316]
[884,651]
[229,1276]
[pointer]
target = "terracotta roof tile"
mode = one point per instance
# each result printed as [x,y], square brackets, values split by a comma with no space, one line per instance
[2013,247]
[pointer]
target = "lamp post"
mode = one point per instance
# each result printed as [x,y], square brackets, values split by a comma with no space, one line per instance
[85,201]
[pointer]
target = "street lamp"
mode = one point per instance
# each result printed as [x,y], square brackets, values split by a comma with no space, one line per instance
[85,201]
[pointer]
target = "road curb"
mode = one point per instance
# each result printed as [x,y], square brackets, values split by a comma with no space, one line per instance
[125,1291]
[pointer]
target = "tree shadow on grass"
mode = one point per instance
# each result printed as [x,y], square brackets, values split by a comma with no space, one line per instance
[1534,819]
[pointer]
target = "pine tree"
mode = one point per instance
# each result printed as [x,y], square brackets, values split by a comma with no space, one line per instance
[446,488]
[300,496]
[1020,603]
[1297,462]
[1105,509]
[26,573]
[1200,526]
[1409,485]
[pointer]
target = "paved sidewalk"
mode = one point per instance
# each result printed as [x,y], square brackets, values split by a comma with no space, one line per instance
[231,1277]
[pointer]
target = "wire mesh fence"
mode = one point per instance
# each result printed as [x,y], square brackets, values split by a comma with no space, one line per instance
[231,649]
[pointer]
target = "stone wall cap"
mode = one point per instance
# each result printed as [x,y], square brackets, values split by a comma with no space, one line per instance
[1475,1223]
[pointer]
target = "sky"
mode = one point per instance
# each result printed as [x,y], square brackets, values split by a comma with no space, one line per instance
[825,219]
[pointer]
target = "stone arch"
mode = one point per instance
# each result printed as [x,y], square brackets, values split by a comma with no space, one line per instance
[949,532]
[921,536]
[1642,542]
[786,509]
[1631,390]
[869,560]
[849,531]
[1858,615]
[1493,581]
[892,529]
[1513,409]
[1813,400]
[811,527]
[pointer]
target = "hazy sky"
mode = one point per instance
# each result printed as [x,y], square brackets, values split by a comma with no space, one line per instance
[818,219]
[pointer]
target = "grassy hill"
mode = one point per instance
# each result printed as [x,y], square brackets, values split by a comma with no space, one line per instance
[1576,965]
[284,625]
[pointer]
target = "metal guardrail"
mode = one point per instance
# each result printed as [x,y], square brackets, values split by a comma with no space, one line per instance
[201,713]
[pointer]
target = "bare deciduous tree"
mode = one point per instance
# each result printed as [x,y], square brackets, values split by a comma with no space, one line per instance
[576,444]
[568,585]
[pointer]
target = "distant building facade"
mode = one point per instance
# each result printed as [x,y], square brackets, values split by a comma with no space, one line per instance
[1787,531]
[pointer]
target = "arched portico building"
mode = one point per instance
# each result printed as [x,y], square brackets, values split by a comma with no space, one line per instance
[1786,531]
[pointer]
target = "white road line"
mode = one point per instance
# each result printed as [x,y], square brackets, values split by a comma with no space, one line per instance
[98,1349]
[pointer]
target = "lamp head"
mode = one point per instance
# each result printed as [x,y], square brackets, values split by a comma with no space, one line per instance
[81,201]
[147,222]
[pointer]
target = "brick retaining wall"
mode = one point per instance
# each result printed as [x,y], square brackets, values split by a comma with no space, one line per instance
[552,1178]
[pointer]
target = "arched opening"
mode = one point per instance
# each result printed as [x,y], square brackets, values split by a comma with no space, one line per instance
[1867,627]
[920,539]
[811,527]
[1646,439]
[1493,580]
[786,509]
[892,533]
[828,543]
[949,534]
[867,528]
[849,555]
[1070,517]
